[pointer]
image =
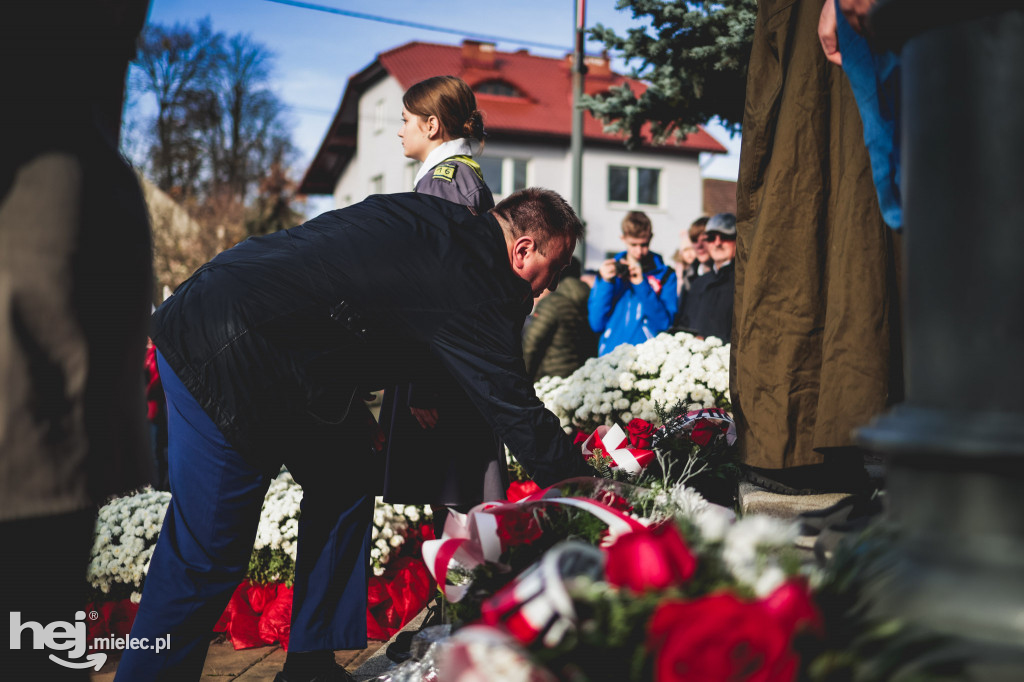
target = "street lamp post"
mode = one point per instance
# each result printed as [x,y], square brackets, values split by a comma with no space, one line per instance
[579,69]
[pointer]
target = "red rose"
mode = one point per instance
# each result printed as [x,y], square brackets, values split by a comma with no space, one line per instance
[652,558]
[518,490]
[722,638]
[640,433]
[704,430]
[791,605]
[610,499]
[719,638]
[517,527]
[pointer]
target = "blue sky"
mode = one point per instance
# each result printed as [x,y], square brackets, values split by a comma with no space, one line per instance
[316,52]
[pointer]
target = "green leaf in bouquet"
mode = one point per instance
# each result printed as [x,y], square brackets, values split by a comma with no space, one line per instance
[861,646]
[609,643]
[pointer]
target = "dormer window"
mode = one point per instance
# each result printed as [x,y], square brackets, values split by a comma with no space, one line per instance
[499,88]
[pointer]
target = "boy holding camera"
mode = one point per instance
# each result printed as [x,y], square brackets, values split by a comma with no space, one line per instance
[634,295]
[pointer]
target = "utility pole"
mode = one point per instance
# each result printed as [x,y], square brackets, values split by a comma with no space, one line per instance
[579,69]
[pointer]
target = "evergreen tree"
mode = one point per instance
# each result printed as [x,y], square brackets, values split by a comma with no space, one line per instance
[693,57]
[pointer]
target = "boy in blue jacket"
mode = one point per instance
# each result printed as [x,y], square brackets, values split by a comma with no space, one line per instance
[634,295]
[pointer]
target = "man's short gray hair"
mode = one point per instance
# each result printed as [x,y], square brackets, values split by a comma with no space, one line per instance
[541,214]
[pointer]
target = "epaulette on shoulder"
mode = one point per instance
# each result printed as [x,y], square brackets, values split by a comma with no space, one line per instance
[468,161]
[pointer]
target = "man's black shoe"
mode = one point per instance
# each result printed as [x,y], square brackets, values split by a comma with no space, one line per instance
[811,479]
[400,650]
[333,674]
[794,481]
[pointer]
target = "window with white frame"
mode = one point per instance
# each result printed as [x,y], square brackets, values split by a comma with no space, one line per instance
[379,116]
[377,184]
[504,175]
[634,186]
[411,167]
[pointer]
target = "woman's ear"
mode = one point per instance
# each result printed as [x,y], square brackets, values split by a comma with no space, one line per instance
[433,127]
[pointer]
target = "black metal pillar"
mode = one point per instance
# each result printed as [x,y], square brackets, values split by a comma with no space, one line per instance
[955,447]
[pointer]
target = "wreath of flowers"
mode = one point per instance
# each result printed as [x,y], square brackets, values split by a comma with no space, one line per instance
[127,529]
[633,381]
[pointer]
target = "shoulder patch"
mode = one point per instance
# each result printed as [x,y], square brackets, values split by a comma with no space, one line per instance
[473,165]
[444,171]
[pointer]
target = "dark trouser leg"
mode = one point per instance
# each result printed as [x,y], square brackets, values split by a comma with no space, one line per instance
[332,567]
[204,546]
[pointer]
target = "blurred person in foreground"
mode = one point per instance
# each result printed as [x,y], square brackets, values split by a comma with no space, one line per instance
[816,348]
[75,296]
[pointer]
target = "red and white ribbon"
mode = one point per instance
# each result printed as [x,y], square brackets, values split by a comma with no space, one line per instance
[537,604]
[686,422]
[615,444]
[472,539]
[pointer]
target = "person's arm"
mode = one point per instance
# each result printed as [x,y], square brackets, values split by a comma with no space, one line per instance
[658,298]
[483,353]
[603,296]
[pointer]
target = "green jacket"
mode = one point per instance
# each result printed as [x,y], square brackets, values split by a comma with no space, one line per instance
[558,339]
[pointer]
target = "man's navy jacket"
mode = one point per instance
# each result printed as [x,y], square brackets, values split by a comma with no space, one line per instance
[275,336]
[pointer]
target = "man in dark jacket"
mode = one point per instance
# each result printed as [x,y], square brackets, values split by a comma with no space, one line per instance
[264,353]
[706,309]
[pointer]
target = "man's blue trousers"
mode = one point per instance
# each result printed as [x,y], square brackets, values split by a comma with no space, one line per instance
[207,537]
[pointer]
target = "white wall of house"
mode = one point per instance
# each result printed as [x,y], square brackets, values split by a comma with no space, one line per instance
[679,191]
[679,199]
[379,166]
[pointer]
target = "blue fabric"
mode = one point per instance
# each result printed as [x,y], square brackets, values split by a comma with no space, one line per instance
[207,537]
[623,312]
[875,79]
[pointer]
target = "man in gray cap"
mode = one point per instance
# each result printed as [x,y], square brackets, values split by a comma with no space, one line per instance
[706,308]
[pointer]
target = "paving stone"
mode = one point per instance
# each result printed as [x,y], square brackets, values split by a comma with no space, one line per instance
[756,500]
[223,660]
[261,664]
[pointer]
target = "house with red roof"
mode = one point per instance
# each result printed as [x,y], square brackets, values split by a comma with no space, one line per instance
[526,102]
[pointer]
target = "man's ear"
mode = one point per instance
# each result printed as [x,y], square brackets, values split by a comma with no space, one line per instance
[521,250]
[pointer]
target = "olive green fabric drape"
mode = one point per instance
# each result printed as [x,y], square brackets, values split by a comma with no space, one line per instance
[815,344]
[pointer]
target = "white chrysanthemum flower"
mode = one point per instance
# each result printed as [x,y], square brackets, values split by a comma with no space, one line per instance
[770,579]
[750,543]
[688,501]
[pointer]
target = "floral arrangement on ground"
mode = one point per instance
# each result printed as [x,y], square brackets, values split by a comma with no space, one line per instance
[594,579]
[669,395]
[633,381]
[127,529]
